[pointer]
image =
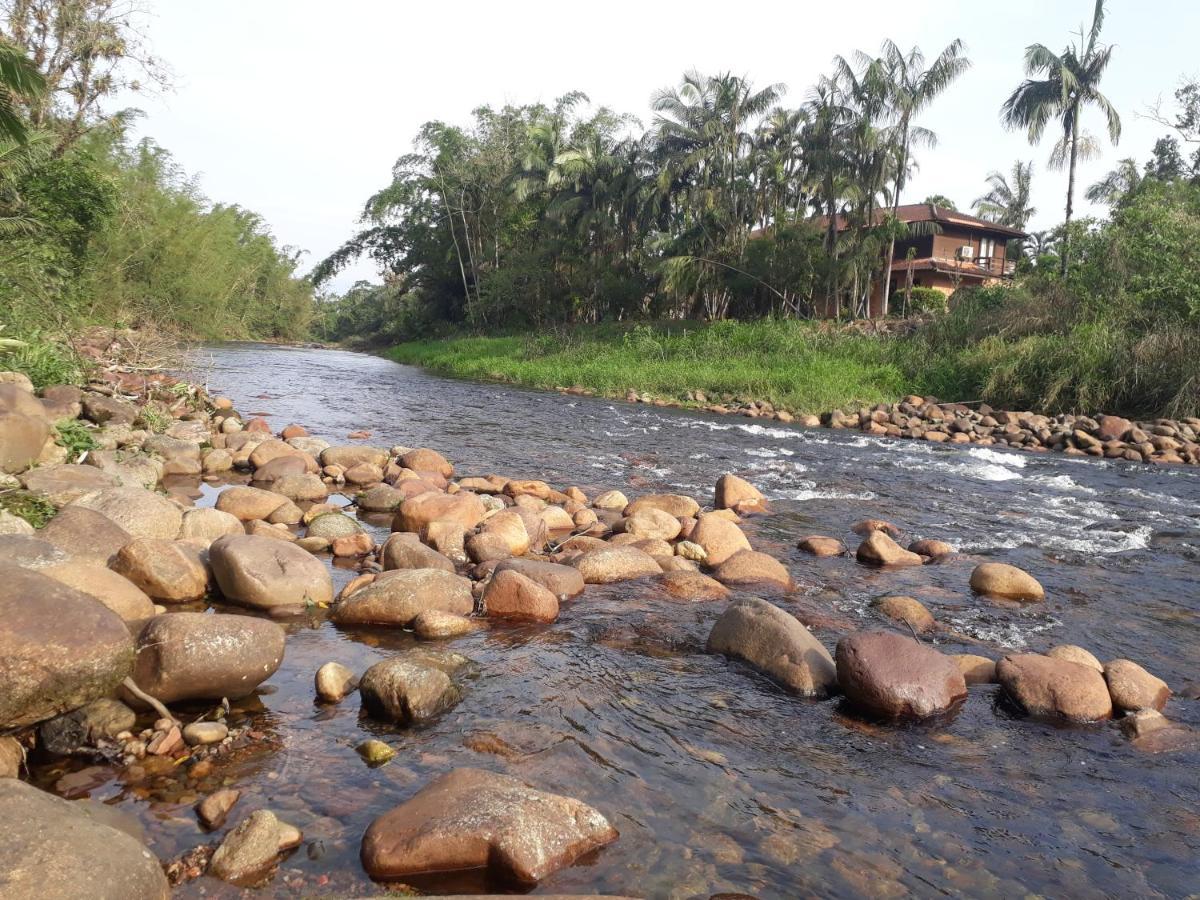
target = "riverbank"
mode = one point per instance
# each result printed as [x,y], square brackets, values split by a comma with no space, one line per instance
[792,373]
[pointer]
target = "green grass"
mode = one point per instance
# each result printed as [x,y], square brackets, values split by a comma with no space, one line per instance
[35,510]
[797,366]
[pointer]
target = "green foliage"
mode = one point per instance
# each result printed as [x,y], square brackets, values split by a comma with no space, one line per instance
[75,436]
[33,508]
[926,300]
[46,361]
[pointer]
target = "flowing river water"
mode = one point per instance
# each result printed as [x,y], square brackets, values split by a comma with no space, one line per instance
[717,780]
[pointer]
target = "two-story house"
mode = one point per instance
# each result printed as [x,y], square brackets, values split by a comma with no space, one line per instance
[960,250]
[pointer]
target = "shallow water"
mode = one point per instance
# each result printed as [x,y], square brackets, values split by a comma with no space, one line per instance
[717,780]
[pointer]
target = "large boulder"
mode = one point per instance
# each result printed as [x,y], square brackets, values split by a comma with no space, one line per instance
[425,460]
[417,512]
[1006,582]
[380,498]
[472,819]
[511,595]
[396,597]
[141,512]
[24,428]
[879,549]
[59,648]
[719,538]
[53,849]
[506,529]
[652,524]
[891,675]
[749,568]
[612,564]
[348,456]
[409,688]
[404,550]
[198,656]
[281,466]
[1054,688]
[115,591]
[734,492]
[300,488]
[168,571]
[29,552]
[84,534]
[63,483]
[1132,687]
[776,644]
[269,574]
[105,410]
[249,503]
[565,582]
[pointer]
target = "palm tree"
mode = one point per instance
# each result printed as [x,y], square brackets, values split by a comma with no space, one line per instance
[1116,184]
[1068,82]
[1008,203]
[19,80]
[911,87]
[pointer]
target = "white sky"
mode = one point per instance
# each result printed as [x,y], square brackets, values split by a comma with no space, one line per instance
[297,109]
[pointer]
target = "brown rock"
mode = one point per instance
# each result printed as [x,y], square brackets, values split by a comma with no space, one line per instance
[719,537]
[397,597]
[59,648]
[425,460]
[85,534]
[907,611]
[877,549]
[408,688]
[350,455]
[653,524]
[352,545]
[115,591]
[334,681]
[270,575]
[205,525]
[64,483]
[749,568]
[364,473]
[213,809]
[611,500]
[511,595]
[612,564]
[1006,582]
[1054,688]
[976,669]
[886,674]
[930,548]
[776,644]
[250,851]
[565,582]
[1072,653]
[404,550]
[733,491]
[866,527]
[303,488]
[691,585]
[821,546]
[248,503]
[140,512]
[471,819]
[417,512]
[677,506]
[270,450]
[198,656]
[433,624]
[168,571]
[1132,688]
[294,463]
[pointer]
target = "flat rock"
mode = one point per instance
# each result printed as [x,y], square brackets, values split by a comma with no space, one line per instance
[404,550]
[776,644]
[59,648]
[53,849]
[85,534]
[821,546]
[565,582]
[433,624]
[30,552]
[396,597]
[691,585]
[612,564]
[891,675]
[752,569]
[417,512]
[197,656]
[63,483]
[140,512]
[470,819]
[268,574]
[248,503]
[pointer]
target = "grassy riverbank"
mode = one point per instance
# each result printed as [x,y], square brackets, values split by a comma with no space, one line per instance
[794,365]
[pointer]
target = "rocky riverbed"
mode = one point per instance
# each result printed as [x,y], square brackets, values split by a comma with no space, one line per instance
[403,626]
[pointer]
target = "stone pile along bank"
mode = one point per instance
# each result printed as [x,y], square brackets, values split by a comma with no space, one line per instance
[466,553]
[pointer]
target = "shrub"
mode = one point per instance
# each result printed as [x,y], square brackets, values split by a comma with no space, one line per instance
[927,300]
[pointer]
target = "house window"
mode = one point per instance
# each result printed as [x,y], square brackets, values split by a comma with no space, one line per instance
[987,249]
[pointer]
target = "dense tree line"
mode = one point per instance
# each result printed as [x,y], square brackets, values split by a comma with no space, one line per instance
[97,228]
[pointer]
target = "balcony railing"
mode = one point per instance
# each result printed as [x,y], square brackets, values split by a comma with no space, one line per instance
[1000,266]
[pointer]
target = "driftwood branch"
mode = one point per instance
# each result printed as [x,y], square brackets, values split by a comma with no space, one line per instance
[154,702]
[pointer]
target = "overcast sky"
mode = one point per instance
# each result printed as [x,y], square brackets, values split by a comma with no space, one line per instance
[298,108]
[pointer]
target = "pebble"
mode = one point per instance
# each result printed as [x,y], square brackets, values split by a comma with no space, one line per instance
[205,733]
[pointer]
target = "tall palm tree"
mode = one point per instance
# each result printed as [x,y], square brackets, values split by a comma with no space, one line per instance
[1058,88]
[911,87]
[19,80]
[1008,203]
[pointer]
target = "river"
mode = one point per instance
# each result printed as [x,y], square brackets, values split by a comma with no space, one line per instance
[717,780]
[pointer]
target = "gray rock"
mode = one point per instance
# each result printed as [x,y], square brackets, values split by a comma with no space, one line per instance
[55,850]
[81,728]
[407,688]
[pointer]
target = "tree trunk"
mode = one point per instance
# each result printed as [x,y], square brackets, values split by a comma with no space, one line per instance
[1066,250]
[891,252]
